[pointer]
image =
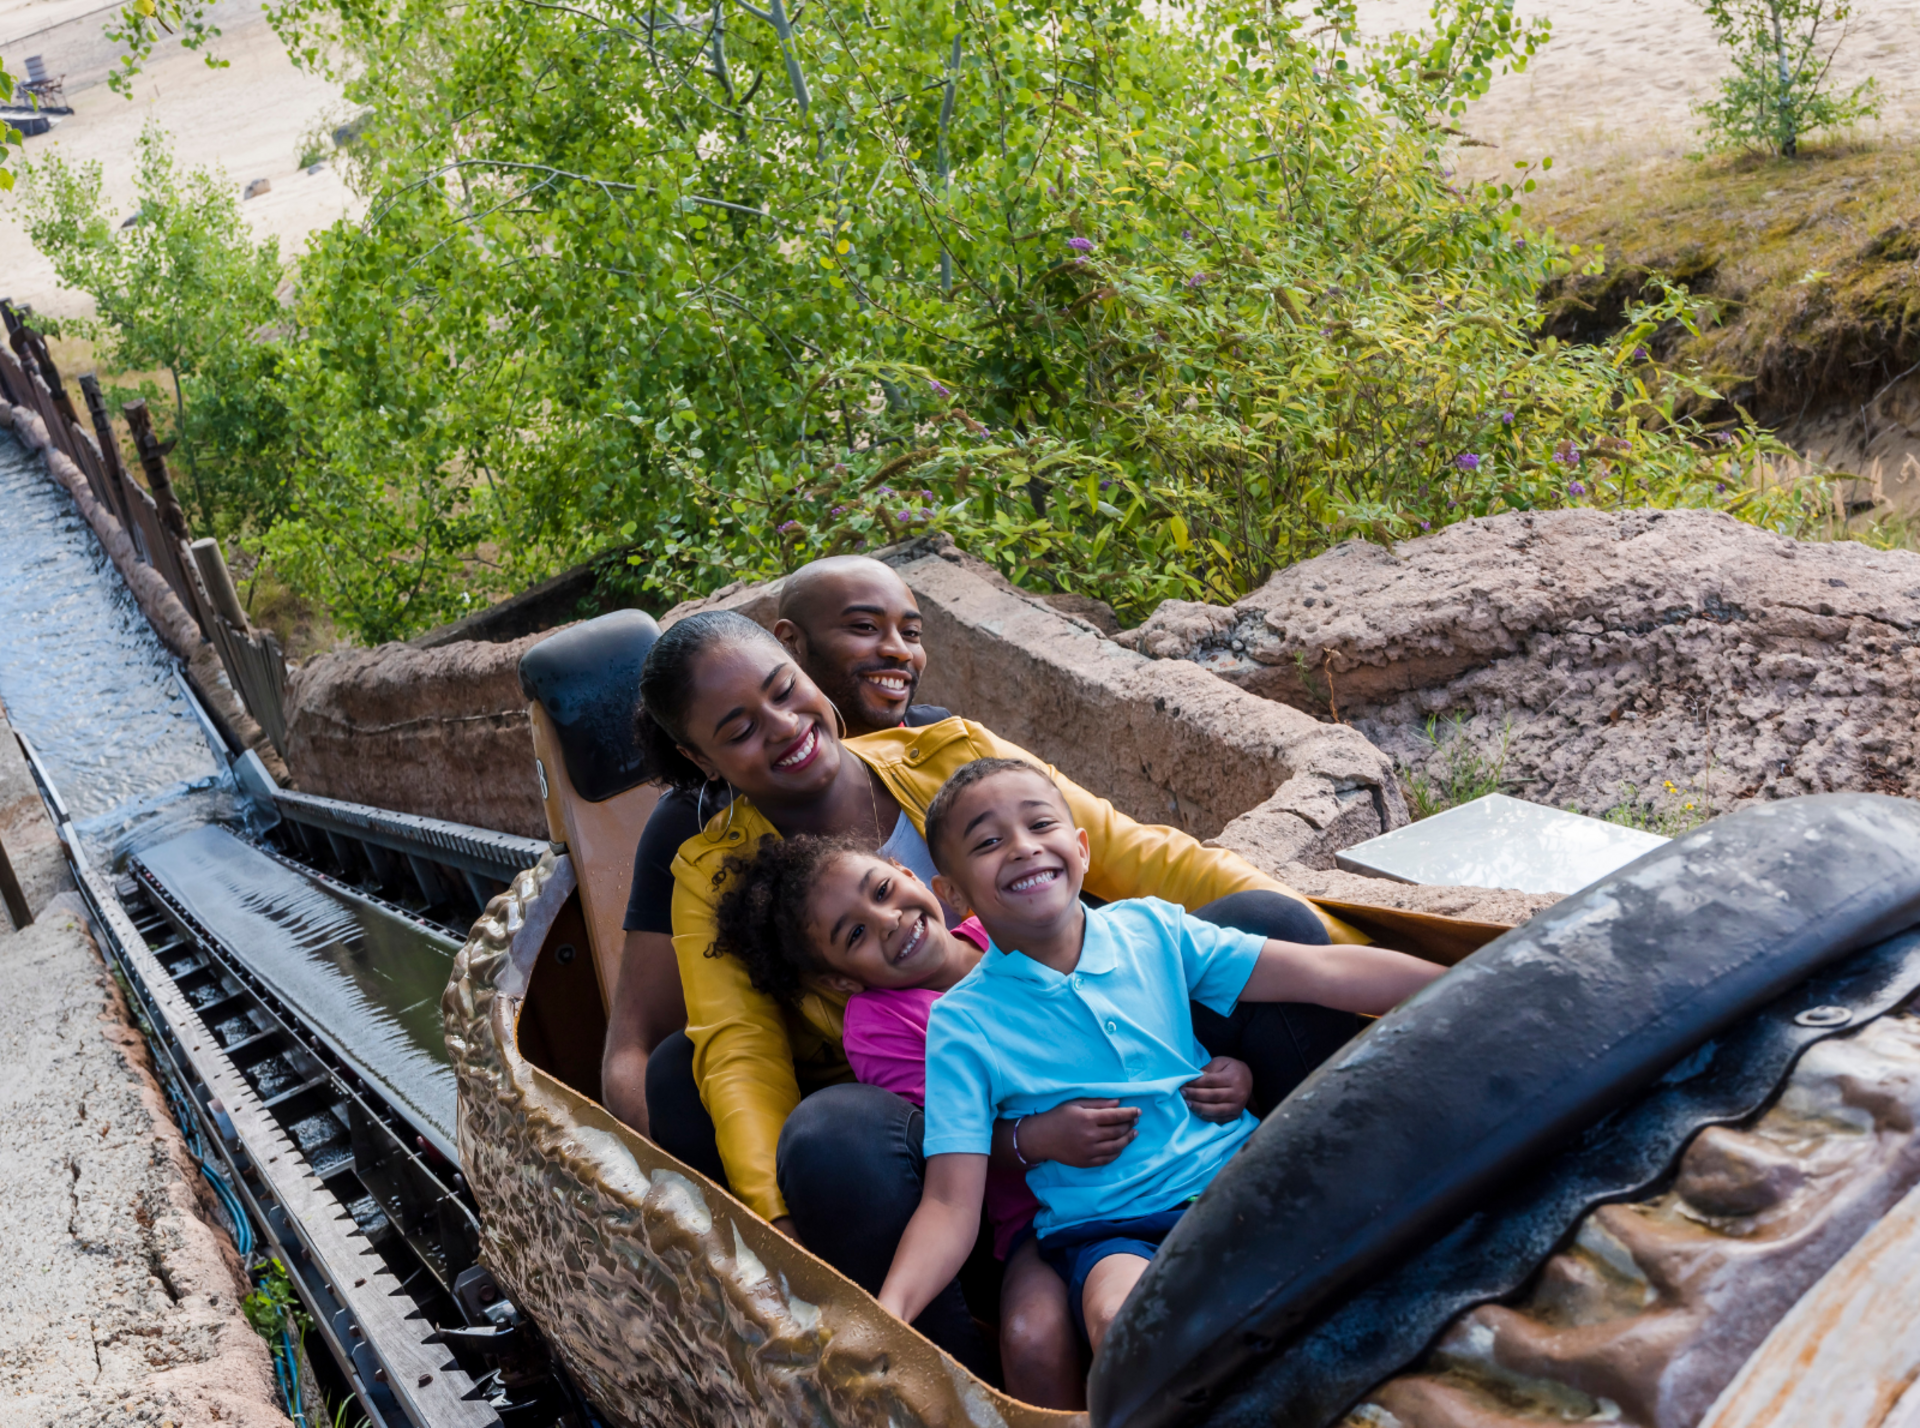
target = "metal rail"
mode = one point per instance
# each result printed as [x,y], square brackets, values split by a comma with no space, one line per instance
[372,1222]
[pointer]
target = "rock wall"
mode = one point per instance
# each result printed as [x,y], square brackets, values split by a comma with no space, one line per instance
[26,833]
[1649,658]
[1162,741]
[440,732]
[122,1297]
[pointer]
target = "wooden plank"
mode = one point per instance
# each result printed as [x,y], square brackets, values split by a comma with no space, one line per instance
[420,1375]
[1847,1355]
[154,462]
[115,470]
[13,381]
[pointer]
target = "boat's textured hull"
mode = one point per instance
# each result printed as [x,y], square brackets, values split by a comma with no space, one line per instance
[671,1303]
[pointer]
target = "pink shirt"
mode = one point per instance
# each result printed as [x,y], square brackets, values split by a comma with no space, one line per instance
[886,1040]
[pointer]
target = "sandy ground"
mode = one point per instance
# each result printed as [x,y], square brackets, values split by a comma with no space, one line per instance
[1612,89]
[122,1299]
[248,119]
[1614,85]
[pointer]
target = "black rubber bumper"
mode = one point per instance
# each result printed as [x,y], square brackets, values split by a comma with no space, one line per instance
[1483,1075]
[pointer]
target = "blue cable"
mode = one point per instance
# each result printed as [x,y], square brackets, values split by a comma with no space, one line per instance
[286,1362]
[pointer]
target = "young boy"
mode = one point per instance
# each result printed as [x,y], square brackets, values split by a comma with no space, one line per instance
[1072,1002]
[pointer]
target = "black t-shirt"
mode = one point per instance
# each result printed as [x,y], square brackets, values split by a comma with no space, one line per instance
[677,817]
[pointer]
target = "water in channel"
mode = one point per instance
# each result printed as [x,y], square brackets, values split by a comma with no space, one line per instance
[85,678]
[369,980]
[82,674]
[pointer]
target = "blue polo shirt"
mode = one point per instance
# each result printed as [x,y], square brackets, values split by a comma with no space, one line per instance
[1015,1038]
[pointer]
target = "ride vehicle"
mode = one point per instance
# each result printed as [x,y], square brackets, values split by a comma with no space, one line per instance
[1434,1165]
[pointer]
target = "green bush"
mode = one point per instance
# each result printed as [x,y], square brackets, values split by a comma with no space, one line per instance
[1134,301]
[1778,92]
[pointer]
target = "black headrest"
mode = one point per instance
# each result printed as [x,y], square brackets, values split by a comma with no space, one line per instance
[587,678]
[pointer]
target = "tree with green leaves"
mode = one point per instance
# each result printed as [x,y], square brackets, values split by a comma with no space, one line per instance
[139,27]
[181,288]
[1780,90]
[1134,301]
[10,137]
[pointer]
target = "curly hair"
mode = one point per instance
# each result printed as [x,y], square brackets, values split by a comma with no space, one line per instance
[762,914]
[666,687]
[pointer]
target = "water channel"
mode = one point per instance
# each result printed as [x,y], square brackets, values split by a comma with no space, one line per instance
[85,678]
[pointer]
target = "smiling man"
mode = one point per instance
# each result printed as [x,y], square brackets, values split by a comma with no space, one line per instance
[853,626]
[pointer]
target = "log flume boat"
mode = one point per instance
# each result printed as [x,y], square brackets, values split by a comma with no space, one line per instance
[386,1030]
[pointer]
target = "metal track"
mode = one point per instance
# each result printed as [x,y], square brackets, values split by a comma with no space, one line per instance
[373,1223]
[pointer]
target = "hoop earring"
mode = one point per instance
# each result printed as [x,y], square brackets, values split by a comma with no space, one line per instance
[700,806]
[838,717]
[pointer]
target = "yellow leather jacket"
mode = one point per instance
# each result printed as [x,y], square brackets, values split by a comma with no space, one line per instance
[750,1052]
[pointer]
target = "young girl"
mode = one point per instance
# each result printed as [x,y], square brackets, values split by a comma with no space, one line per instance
[826,911]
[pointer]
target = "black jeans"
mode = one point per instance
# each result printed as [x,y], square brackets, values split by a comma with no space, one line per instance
[850,1163]
[1281,1042]
[681,1125]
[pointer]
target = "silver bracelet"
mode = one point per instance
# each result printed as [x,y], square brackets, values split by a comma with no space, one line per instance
[1028,1164]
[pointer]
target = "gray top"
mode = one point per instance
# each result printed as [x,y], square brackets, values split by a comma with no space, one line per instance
[907,848]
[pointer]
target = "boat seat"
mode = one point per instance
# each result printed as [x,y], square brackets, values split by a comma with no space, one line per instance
[584,684]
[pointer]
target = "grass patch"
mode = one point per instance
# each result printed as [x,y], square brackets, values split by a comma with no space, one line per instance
[1670,812]
[303,626]
[1813,266]
[1457,772]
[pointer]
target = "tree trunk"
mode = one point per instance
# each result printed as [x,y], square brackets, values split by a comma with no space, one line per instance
[1789,139]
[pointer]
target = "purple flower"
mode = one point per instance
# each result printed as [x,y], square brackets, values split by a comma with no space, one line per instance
[1506,418]
[926,495]
[1574,488]
[1104,484]
[1196,280]
[1452,504]
[886,490]
[1080,245]
[938,388]
[1187,233]
[1467,461]
[905,514]
[926,514]
[1567,454]
[788,527]
[838,511]
[1639,354]
[1426,525]
[1519,242]
[1720,488]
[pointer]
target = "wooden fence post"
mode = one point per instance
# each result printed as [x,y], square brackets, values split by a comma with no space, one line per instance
[31,345]
[219,582]
[16,901]
[153,461]
[109,449]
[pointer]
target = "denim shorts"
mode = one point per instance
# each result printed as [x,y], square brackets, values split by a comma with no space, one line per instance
[1074,1250]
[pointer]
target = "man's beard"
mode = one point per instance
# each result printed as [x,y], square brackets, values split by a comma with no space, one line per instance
[846,691]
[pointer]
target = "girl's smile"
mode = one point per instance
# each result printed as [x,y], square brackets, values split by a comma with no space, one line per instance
[874,924]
